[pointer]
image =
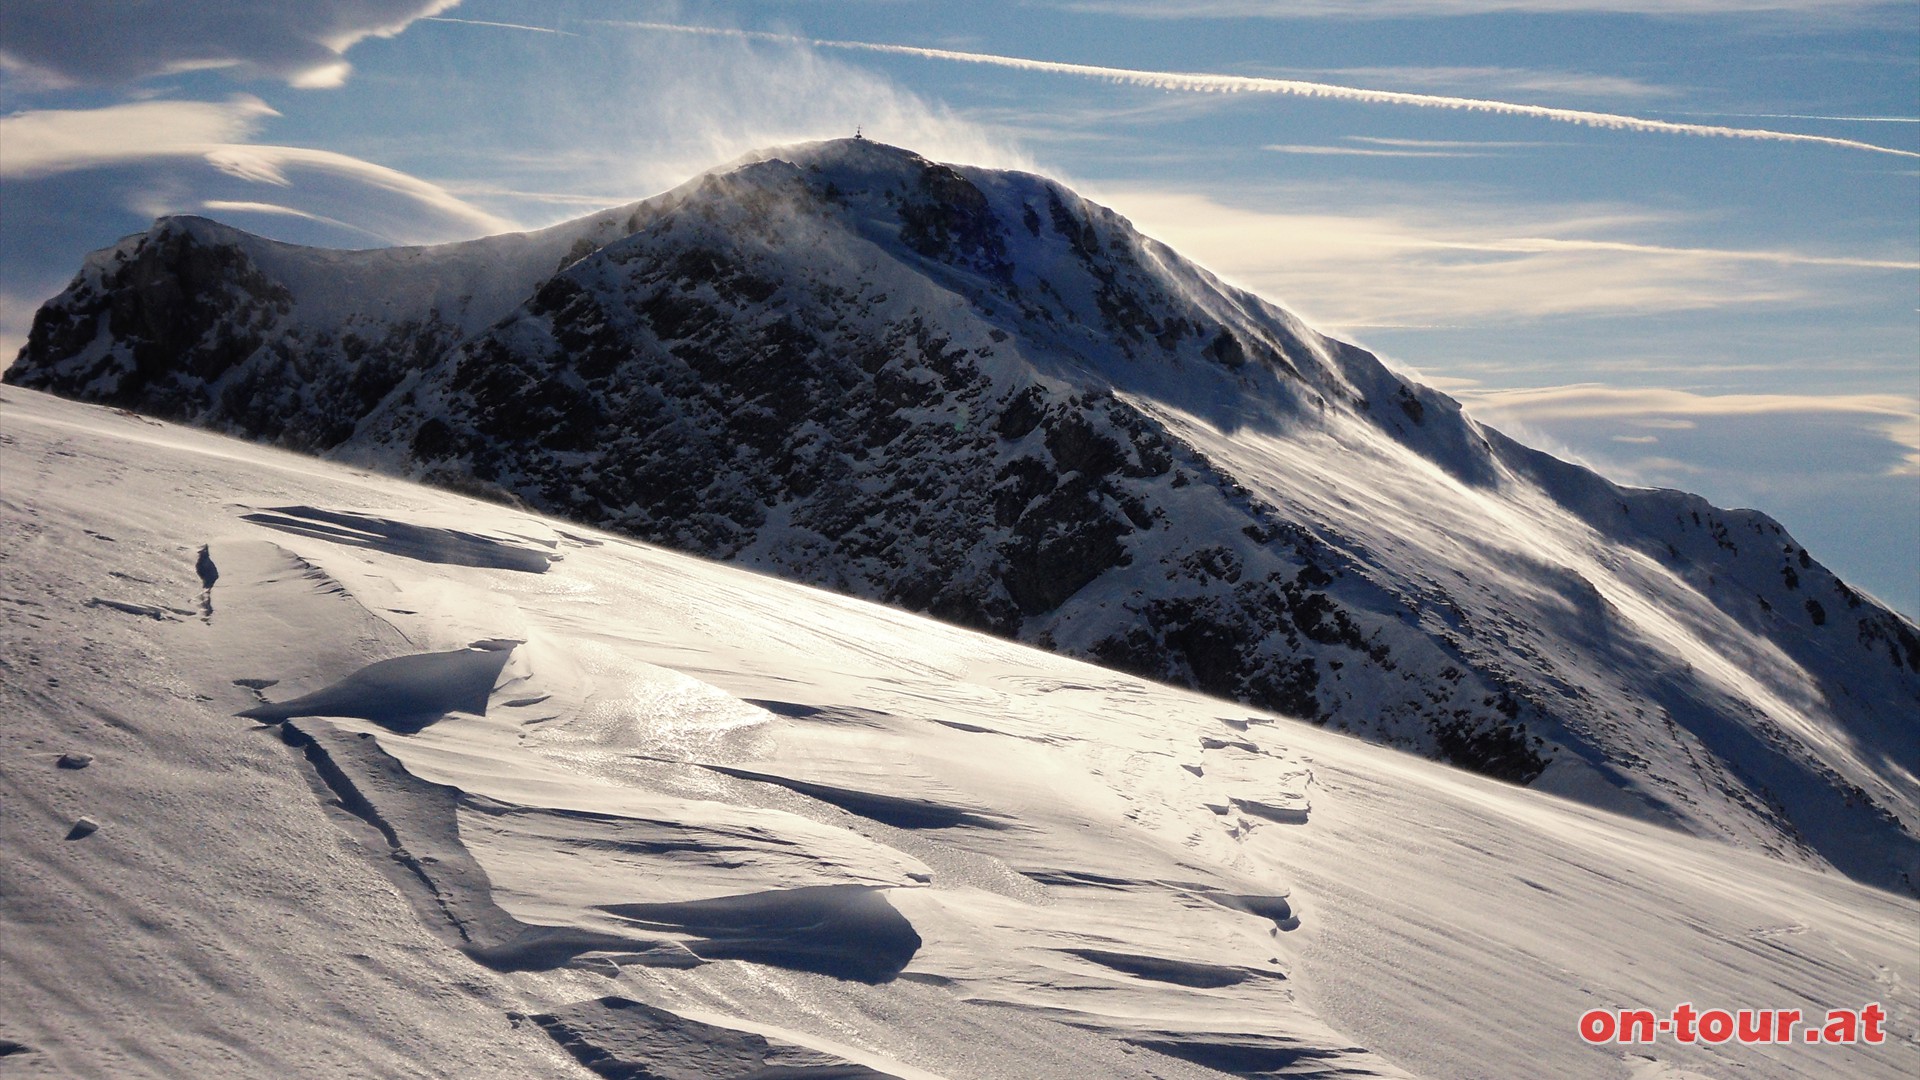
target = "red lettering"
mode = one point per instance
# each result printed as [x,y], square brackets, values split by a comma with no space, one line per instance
[1874,1018]
[1752,1027]
[1843,1026]
[1683,1017]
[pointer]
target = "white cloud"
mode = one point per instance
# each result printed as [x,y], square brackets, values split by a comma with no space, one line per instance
[1546,244]
[1465,144]
[231,207]
[1457,262]
[1204,83]
[95,42]
[16,319]
[1591,401]
[1895,417]
[557,198]
[169,139]
[1905,432]
[269,164]
[49,141]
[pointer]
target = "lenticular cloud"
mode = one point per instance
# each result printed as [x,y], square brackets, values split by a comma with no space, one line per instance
[94,42]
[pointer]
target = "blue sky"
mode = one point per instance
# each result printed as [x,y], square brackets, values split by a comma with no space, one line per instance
[1690,257]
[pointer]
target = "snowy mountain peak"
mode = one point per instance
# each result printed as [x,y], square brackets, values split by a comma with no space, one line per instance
[975,394]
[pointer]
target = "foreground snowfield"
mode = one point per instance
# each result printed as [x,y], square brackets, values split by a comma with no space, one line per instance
[931,853]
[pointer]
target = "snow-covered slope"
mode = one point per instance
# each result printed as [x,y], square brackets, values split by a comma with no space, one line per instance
[195,319]
[974,394]
[574,799]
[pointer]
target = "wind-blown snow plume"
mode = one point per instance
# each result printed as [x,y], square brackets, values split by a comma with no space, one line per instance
[710,98]
[1205,83]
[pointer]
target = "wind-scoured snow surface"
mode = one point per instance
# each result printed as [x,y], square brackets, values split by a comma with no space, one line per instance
[568,803]
[974,394]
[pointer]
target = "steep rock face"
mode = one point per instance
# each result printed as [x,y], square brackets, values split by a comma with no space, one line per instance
[977,395]
[200,322]
[859,374]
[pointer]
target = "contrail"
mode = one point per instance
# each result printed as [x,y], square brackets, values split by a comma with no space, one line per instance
[1359,151]
[499,25]
[1812,116]
[1193,82]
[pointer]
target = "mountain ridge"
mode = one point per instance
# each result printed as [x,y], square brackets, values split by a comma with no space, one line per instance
[978,395]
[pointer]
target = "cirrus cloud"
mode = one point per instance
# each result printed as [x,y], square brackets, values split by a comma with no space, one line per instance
[1426,259]
[1895,417]
[1588,401]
